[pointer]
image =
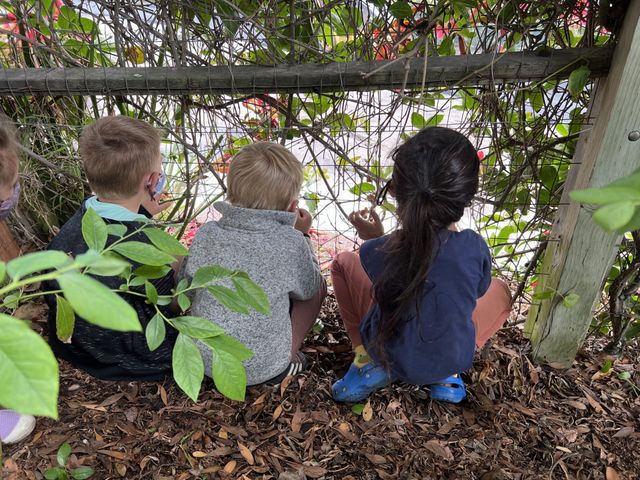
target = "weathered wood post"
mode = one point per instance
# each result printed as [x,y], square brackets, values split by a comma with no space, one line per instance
[580,253]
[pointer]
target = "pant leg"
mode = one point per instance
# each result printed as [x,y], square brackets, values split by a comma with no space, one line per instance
[492,310]
[303,316]
[354,292]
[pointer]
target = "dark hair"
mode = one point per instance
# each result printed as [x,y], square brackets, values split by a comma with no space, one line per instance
[435,176]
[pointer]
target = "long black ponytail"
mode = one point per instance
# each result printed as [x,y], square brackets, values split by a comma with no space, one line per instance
[435,176]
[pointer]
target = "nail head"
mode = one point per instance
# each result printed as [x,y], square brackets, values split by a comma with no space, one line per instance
[634,135]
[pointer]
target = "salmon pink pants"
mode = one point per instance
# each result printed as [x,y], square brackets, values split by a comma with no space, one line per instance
[354,292]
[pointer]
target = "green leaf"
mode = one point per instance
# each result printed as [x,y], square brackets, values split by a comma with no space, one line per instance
[35,262]
[143,253]
[230,299]
[151,292]
[418,121]
[94,230]
[633,331]
[155,332]
[196,327]
[401,10]
[605,195]
[606,366]
[82,473]
[63,454]
[578,79]
[549,176]
[94,302]
[357,408]
[65,319]
[116,229]
[624,376]
[633,224]
[546,295]
[537,100]
[3,271]
[613,216]
[252,294]
[206,275]
[183,302]
[188,368]
[312,200]
[166,242]
[570,300]
[152,272]
[28,366]
[230,345]
[229,375]
[105,264]
[362,188]
[56,473]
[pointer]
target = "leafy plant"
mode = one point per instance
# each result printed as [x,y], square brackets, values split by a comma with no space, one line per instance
[26,361]
[62,471]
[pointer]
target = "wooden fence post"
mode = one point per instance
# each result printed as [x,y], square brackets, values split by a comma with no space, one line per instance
[580,253]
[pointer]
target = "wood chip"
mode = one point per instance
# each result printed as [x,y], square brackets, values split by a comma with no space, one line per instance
[375,458]
[594,403]
[450,425]
[246,454]
[611,474]
[114,454]
[624,432]
[314,471]
[296,421]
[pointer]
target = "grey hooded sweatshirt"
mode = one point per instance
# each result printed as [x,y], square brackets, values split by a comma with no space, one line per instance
[277,257]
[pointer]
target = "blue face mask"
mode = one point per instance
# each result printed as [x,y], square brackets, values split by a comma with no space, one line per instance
[159,186]
[7,205]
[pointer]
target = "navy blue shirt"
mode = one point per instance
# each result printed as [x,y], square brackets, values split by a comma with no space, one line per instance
[441,340]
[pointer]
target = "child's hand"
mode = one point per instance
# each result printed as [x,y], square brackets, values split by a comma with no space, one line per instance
[367,223]
[153,205]
[303,221]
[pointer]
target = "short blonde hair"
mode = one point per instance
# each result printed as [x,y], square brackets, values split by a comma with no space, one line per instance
[264,176]
[8,152]
[117,152]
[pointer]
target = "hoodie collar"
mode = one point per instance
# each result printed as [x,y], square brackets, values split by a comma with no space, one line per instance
[252,219]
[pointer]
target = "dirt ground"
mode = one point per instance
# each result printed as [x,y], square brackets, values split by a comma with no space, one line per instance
[520,422]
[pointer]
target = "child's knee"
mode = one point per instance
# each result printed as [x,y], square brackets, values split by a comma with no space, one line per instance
[344,261]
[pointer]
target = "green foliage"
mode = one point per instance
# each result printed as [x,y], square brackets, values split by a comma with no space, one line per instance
[63,471]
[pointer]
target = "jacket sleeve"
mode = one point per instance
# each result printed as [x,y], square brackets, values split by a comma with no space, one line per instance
[308,278]
[485,267]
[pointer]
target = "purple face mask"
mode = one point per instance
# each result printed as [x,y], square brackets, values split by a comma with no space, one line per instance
[7,205]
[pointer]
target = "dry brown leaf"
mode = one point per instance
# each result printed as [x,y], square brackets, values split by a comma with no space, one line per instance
[314,471]
[93,406]
[211,469]
[285,383]
[121,469]
[230,467]
[611,474]
[277,412]
[163,395]
[563,449]
[570,434]
[260,399]
[594,403]
[447,427]
[112,399]
[345,431]
[296,421]
[375,458]
[114,454]
[246,454]
[624,432]
[578,405]
[367,412]
[439,449]
[223,434]
[199,454]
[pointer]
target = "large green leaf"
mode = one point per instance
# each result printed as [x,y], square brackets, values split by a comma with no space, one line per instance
[94,302]
[252,294]
[65,319]
[578,80]
[166,242]
[152,272]
[3,271]
[105,264]
[230,345]
[614,216]
[28,370]
[401,10]
[229,299]
[605,195]
[188,368]
[143,253]
[155,332]
[229,375]
[206,275]
[94,230]
[35,262]
[196,327]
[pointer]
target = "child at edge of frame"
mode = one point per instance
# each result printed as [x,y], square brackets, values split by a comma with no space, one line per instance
[417,302]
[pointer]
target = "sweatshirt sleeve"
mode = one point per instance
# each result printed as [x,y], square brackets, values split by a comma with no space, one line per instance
[485,267]
[308,278]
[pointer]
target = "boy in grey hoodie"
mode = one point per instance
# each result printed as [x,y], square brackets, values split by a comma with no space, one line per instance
[262,232]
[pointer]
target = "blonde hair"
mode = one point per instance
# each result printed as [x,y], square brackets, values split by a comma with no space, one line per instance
[8,152]
[265,176]
[117,152]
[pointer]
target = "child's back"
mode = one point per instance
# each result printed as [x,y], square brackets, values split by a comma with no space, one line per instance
[256,234]
[121,157]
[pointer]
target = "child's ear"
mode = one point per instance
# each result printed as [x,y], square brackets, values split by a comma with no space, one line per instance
[293,207]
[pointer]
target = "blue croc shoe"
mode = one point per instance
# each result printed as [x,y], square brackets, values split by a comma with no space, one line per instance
[451,389]
[359,383]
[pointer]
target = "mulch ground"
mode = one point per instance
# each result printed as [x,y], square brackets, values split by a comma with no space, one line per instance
[520,422]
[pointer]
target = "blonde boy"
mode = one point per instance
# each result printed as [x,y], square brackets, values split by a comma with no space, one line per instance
[262,232]
[121,158]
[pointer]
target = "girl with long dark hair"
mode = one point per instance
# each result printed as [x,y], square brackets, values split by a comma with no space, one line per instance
[418,301]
